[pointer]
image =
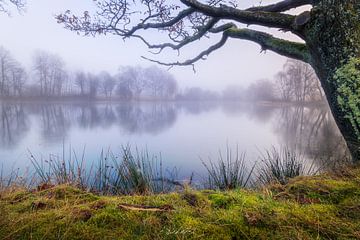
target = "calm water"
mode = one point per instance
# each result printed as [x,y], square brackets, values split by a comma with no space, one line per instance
[184,133]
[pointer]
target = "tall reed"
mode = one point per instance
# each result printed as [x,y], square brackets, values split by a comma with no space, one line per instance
[229,172]
[127,173]
[281,165]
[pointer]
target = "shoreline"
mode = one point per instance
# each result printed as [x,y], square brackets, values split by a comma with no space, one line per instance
[322,207]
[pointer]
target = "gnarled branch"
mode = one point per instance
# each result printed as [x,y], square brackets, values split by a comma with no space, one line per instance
[203,54]
[267,19]
[268,42]
[280,6]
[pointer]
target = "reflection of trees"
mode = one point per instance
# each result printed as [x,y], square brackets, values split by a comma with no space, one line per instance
[146,118]
[87,116]
[14,124]
[54,122]
[312,131]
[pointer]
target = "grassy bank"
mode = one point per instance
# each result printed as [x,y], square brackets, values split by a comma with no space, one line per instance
[318,207]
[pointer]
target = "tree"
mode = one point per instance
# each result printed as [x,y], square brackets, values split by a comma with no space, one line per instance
[94,84]
[50,72]
[132,79]
[6,64]
[18,79]
[80,82]
[298,82]
[261,90]
[12,75]
[330,32]
[159,82]
[107,84]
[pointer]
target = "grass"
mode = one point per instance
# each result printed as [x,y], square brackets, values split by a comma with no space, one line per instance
[229,172]
[130,172]
[138,172]
[326,206]
[279,166]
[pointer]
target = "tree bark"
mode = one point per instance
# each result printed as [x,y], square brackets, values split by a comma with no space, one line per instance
[333,38]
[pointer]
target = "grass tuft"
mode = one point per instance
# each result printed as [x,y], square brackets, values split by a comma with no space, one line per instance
[228,173]
[278,166]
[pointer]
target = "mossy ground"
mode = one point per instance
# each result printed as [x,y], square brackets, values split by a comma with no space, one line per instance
[321,207]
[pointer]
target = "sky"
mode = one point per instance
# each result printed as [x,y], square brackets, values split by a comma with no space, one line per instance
[237,63]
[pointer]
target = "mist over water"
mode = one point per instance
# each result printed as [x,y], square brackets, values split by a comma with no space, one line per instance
[183,133]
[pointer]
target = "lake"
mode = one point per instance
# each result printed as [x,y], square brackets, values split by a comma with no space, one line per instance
[183,133]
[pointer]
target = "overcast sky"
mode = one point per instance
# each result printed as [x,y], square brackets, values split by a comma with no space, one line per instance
[239,62]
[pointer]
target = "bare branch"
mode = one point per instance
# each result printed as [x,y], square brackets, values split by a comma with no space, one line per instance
[202,55]
[202,32]
[280,6]
[266,41]
[190,22]
[267,19]
[170,23]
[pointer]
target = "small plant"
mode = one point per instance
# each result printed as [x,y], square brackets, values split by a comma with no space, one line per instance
[229,172]
[14,178]
[281,165]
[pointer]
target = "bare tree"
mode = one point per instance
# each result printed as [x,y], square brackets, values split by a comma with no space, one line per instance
[298,82]
[50,72]
[133,79]
[80,82]
[161,83]
[330,34]
[6,64]
[12,75]
[108,84]
[18,79]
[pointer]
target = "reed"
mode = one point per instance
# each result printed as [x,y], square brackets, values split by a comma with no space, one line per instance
[281,165]
[129,173]
[229,172]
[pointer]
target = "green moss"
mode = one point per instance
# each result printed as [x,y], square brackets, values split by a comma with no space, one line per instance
[348,81]
[322,207]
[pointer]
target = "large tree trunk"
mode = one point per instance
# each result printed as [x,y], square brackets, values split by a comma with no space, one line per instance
[333,37]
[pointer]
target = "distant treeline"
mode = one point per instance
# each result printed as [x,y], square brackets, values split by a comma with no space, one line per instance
[296,82]
[49,78]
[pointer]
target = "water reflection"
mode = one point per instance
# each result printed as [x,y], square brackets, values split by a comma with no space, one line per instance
[14,124]
[55,122]
[146,118]
[310,130]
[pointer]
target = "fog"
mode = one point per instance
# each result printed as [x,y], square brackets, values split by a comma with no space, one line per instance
[239,95]
[237,62]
